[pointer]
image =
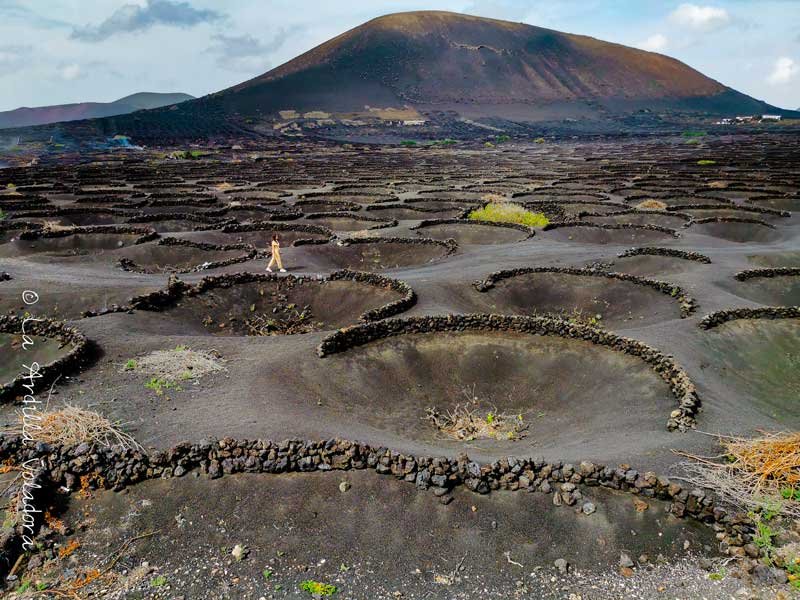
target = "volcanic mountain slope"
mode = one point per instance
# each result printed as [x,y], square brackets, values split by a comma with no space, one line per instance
[40,115]
[430,59]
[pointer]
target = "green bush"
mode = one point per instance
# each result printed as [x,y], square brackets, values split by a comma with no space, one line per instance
[508,212]
[315,588]
[706,162]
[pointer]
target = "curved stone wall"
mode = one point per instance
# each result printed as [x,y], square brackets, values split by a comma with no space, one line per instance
[670,252]
[682,418]
[688,304]
[78,354]
[766,312]
[559,225]
[772,272]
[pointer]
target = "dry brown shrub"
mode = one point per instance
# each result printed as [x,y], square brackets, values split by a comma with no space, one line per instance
[475,420]
[752,472]
[651,205]
[71,425]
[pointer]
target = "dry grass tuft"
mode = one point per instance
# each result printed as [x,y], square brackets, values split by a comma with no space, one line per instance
[651,205]
[473,420]
[178,364]
[752,473]
[55,226]
[71,425]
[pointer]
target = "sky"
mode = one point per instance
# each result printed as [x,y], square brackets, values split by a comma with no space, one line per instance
[61,51]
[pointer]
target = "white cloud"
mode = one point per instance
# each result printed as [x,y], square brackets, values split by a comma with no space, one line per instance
[655,43]
[784,71]
[146,15]
[71,72]
[704,18]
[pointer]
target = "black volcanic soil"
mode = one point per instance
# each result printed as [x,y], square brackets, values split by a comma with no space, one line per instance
[379,538]
[611,302]
[582,401]
[306,304]
[760,358]
[366,255]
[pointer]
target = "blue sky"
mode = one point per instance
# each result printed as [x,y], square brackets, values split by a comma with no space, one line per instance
[58,51]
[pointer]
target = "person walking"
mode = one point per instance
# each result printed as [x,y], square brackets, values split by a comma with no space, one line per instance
[276,255]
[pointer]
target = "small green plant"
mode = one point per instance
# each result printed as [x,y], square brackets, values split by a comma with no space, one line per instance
[539,140]
[694,134]
[706,162]
[765,535]
[793,572]
[501,139]
[718,576]
[490,418]
[2,214]
[315,588]
[158,385]
[267,574]
[159,581]
[790,494]
[10,186]
[181,348]
[185,376]
[408,143]
[188,154]
[24,586]
[489,145]
[130,364]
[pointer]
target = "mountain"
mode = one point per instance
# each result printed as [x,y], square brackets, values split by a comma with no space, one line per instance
[479,66]
[22,117]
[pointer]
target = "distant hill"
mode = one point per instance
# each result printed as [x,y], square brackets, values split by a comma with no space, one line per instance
[41,115]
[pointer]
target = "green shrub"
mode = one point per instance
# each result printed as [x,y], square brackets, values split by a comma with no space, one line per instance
[502,138]
[705,162]
[158,385]
[791,494]
[539,140]
[315,588]
[130,365]
[508,212]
